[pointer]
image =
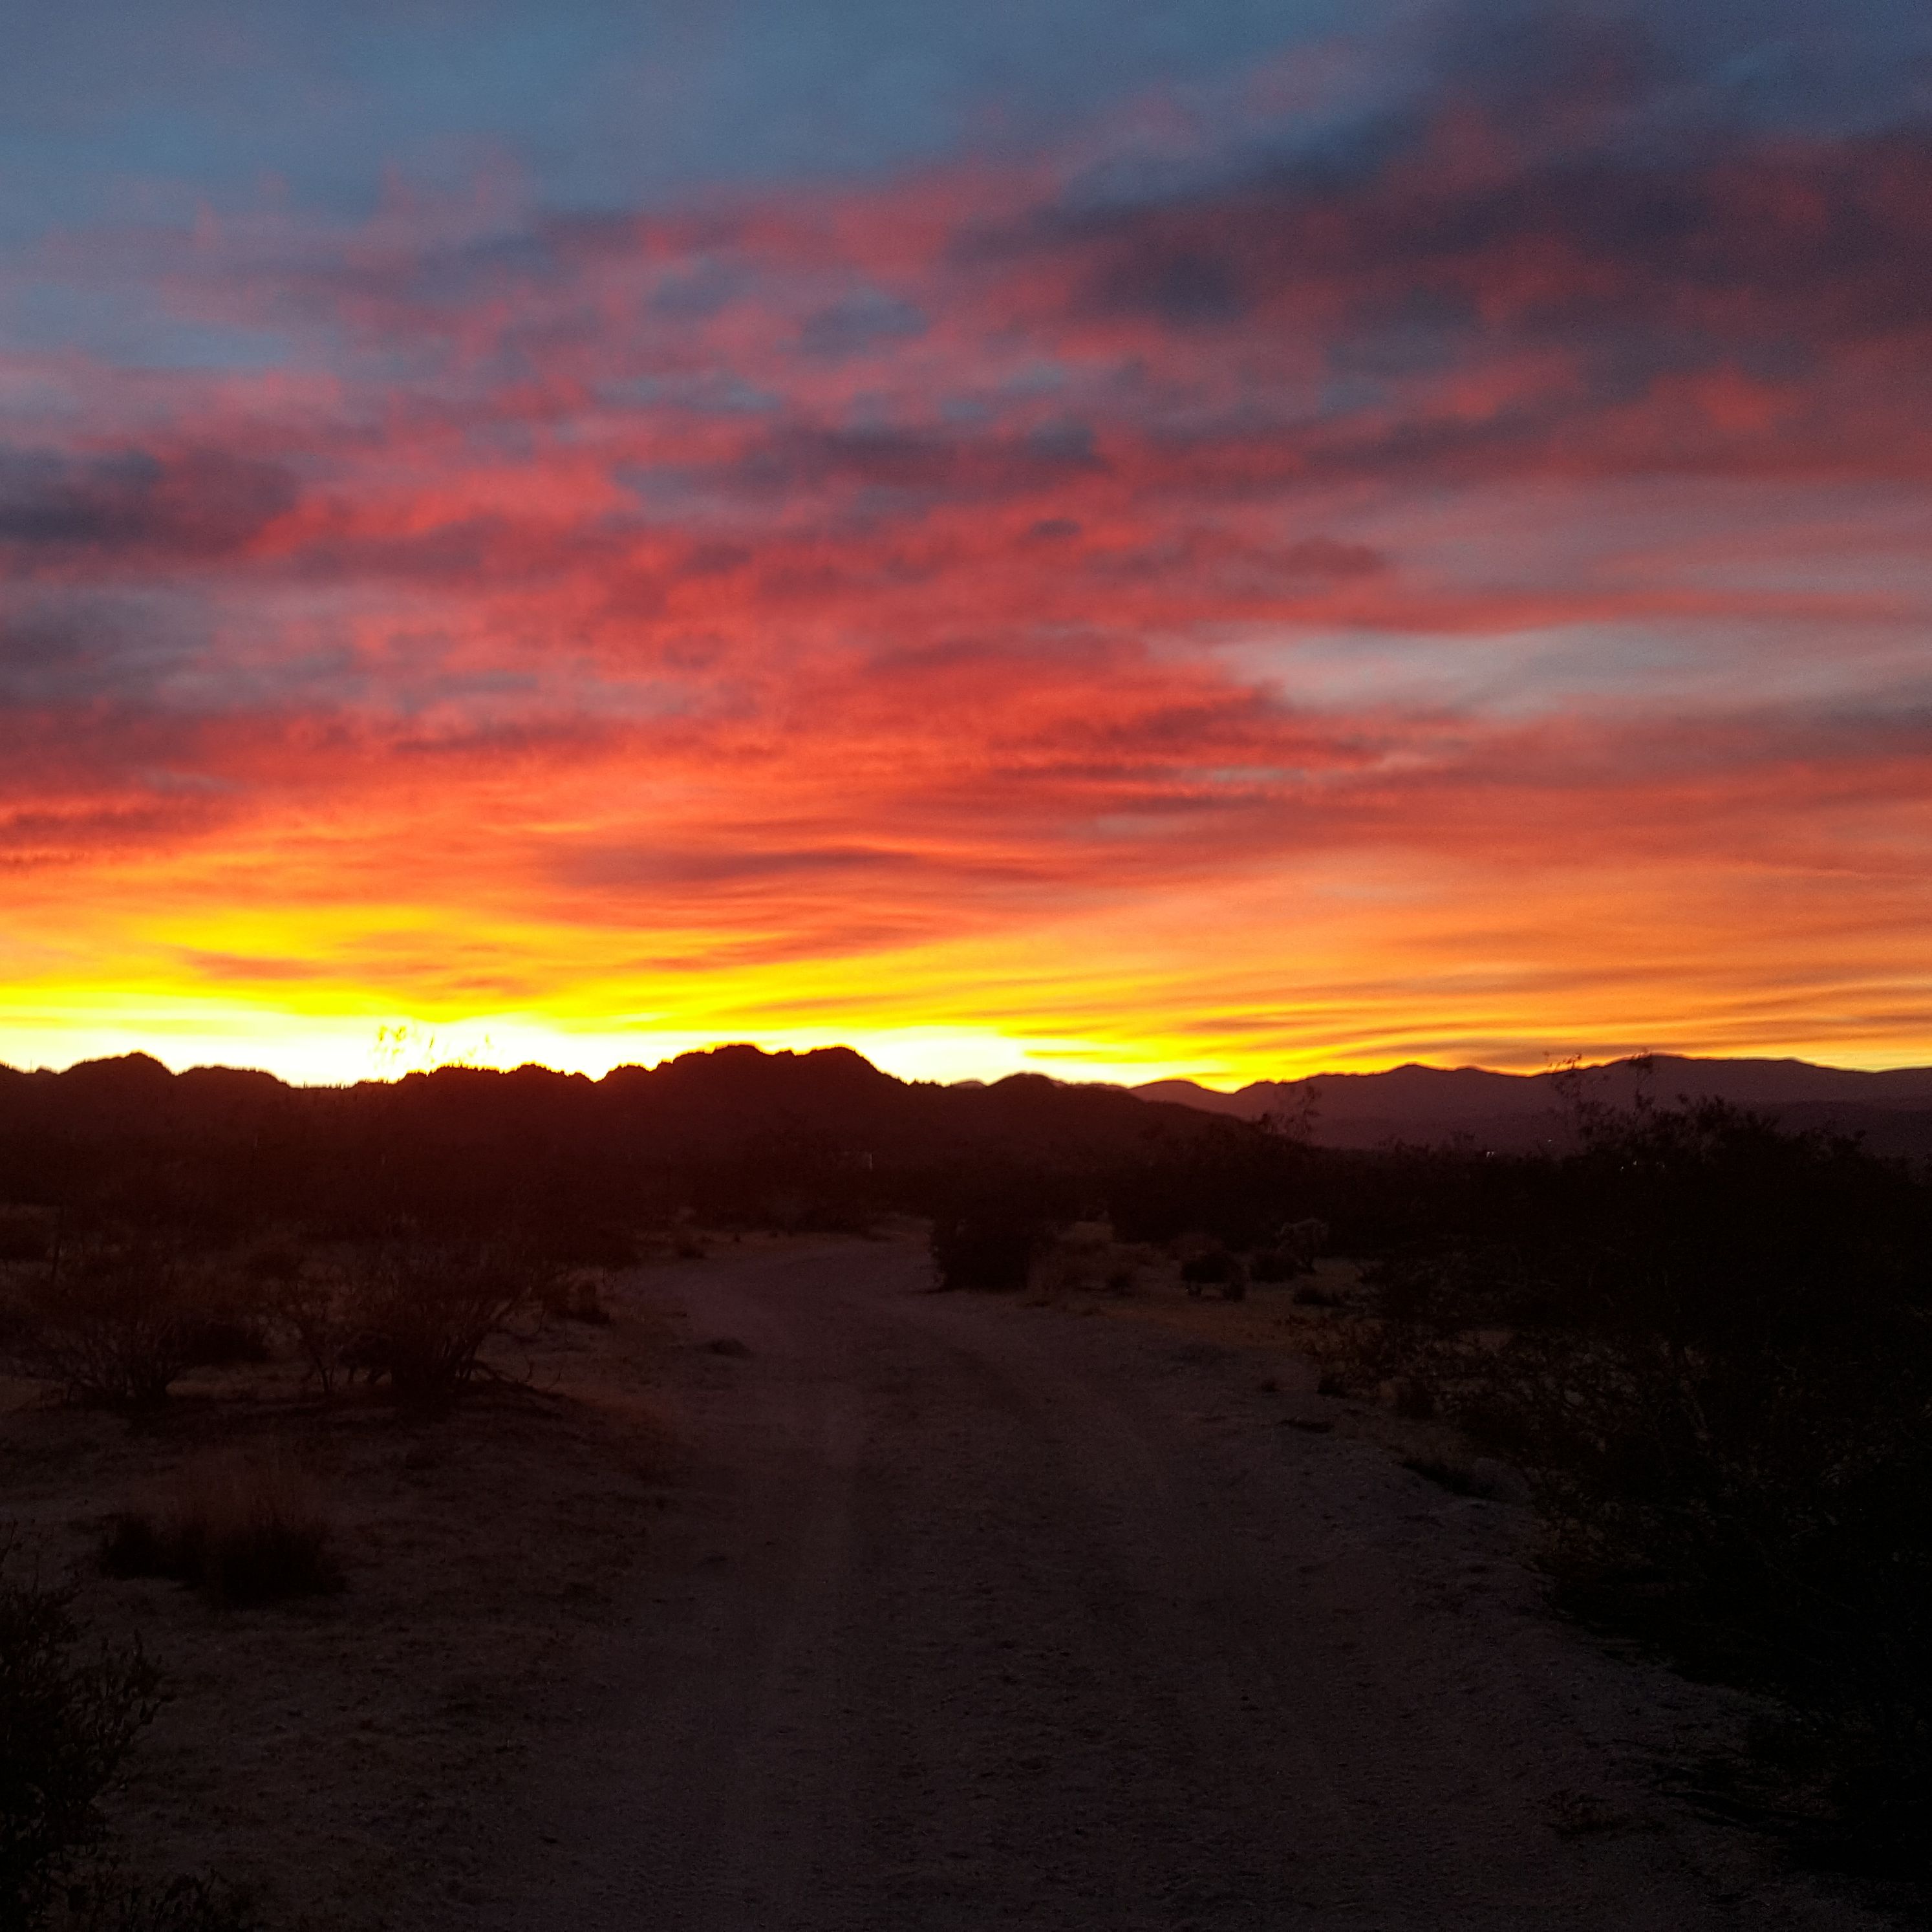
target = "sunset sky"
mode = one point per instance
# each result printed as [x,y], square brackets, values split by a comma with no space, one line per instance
[1220,537]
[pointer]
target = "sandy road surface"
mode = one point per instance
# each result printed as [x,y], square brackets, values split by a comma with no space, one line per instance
[968,1614]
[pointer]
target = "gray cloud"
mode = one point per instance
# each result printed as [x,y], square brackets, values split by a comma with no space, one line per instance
[192,504]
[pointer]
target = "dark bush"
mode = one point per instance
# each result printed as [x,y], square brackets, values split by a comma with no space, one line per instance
[421,1312]
[203,1903]
[67,1718]
[1708,1341]
[243,1532]
[576,1297]
[111,1320]
[988,1249]
[315,1306]
[1216,1268]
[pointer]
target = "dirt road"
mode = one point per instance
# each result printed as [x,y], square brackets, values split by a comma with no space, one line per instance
[967,1615]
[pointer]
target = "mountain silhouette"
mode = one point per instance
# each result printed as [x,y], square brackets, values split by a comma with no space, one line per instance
[1515,1112]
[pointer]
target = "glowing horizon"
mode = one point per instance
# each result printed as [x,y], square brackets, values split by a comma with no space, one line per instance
[1325,540]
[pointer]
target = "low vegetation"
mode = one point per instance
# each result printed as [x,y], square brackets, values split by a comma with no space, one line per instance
[1709,1342]
[113,1319]
[68,1712]
[1216,1268]
[191,1902]
[990,1246]
[418,1314]
[244,1528]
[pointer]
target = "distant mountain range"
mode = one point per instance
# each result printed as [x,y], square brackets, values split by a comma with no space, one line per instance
[726,1133]
[1514,1112]
[770,1110]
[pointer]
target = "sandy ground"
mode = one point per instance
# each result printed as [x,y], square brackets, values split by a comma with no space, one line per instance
[976,1614]
[901,1611]
[353,1756]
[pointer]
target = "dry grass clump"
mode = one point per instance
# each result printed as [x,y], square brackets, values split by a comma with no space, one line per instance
[243,1529]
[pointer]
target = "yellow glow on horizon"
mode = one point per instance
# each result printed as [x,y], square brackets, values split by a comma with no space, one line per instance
[263,954]
[1104,998]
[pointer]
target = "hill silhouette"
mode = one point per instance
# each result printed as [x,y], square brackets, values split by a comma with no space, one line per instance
[1521,1113]
[733,1133]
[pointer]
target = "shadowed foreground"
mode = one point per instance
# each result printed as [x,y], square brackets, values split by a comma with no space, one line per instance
[971,1614]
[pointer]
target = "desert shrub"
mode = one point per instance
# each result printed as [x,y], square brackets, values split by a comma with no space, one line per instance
[111,1320]
[1358,1354]
[224,1330]
[1215,1266]
[417,1313]
[1077,1259]
[202,1902]
[1274,1264]
[988,1247]
[420,1312]
[317,1308]
[576,1296]
[1708,1342]
[244,1531]
[67,1718]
